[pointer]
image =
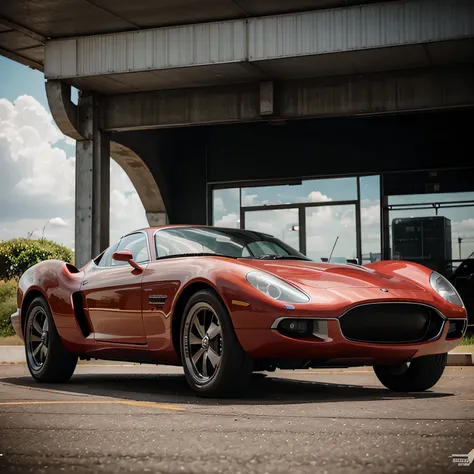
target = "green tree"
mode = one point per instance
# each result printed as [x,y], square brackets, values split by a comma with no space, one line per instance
[7,307]
[17,255]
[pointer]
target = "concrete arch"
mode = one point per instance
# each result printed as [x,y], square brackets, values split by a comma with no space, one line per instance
[143,180]
[77,124]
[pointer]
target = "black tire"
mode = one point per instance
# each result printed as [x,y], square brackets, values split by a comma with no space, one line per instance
[51,362]
[417,376]
[233,372]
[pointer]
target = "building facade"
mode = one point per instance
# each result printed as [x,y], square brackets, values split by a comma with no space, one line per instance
[315,121]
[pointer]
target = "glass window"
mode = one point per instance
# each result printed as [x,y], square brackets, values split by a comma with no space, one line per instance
[226,208]
[331,229]
[228,242]
[430,198]
[105,259]
[436,230]
[370,218]
[137,244]
[314,190]
[281,223]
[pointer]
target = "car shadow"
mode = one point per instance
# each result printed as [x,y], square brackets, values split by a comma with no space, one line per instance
[264,390]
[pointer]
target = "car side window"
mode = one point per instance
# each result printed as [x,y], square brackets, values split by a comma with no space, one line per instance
[105,259]
[137,244]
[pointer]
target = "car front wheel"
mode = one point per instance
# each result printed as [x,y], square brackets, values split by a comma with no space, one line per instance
[48,360]
[214,362]
[417,375]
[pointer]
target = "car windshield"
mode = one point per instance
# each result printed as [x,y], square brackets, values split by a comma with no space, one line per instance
[236,243]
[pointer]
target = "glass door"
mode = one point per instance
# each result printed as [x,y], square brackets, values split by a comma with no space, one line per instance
[281,223]
[332,229]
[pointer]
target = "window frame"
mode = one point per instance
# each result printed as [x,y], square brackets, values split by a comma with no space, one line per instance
[117,244]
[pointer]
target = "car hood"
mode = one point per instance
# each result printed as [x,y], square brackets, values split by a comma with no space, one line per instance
[326,275]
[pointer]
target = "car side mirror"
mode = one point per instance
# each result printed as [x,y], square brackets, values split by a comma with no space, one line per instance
[126,256]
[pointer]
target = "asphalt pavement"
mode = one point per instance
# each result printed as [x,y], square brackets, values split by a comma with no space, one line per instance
[135,418]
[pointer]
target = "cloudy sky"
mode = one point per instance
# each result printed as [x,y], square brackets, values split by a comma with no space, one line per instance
[37,171]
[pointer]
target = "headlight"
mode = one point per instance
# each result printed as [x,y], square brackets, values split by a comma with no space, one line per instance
[445,289]
[276,288]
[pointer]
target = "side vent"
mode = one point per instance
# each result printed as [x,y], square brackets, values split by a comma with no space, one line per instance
[78,303]
[71,268]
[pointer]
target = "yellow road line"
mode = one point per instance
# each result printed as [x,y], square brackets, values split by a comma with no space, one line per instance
[96,402]
[329,371]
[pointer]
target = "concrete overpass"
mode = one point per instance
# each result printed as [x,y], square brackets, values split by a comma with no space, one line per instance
[149,70]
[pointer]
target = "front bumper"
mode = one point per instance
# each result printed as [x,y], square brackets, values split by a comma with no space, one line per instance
[335,349]
[16,323]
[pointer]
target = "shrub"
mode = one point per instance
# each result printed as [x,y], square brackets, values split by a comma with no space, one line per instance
[7,307]
[17,255]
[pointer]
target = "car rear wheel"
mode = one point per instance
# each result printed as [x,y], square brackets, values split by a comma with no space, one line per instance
[417,375]
[48,360]
[214,362]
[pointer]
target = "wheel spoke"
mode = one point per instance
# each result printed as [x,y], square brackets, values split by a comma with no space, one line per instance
[34,338]
[193,340]
[204,365]
[44,352]
[38,348]
[198,355]
[37,327]
[45,324]
[199,328]
[213,330]
[214,358]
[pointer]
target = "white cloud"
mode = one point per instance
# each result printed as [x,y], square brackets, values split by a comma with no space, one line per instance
[58,222]
[318,196]
[465,226]
[37,179]
[69,141]
[230,220]
[219,204]
[250,200]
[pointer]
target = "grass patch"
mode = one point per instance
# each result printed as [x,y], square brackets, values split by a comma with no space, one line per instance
[467,341]
[7,307]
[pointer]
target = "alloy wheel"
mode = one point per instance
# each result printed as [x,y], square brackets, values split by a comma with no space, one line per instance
[203,344]
[37,338]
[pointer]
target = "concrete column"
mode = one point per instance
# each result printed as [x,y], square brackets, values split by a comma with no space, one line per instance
[92,183]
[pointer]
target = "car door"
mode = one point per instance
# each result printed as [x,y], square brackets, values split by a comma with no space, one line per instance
[113,293]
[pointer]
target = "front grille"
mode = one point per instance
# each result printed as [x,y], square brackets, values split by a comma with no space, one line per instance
[391,323]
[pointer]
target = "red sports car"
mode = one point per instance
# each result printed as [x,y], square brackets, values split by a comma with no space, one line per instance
[225,303]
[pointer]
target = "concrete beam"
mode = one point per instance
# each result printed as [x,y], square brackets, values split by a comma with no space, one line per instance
[21,29]
[320,32]
[21,59]
[64,111]
[388,92]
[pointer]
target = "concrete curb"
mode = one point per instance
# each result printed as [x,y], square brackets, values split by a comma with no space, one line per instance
[12,354]
[16,355]
[460,358]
